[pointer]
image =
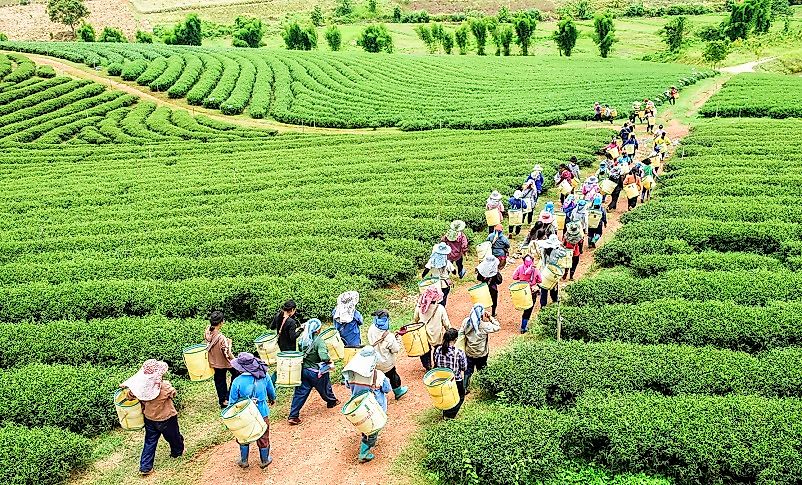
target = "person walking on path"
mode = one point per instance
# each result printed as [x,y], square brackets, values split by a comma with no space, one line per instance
[648,181]
[531,190]
[630,179]
[597,221]
[487,272]
[458,242]
[615,176]
[448,356]
[500,245]
[286,326]
[315,371]
[528,273]
[494,202]
[387,347]
[220,356]
[156,395]
[362,375]
[441,268]
[347,318]
[252,383]
[430,312]
[476,330]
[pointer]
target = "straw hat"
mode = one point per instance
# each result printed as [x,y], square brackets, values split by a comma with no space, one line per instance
[495,195]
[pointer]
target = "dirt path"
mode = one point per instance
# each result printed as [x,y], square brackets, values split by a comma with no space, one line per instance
[84,72]
[323,449]
[746,67]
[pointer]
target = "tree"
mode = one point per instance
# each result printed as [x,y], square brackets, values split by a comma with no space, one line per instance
[479,31]
[673,32]
[438,32]
[3,37]
[397,14]
[334,38]
[375,38]
[373,8]
[425,34]
[461,37]
[505,36]
[187,32]
[604,34]
[110,34]
[343,8]
[503,15]
[144,37]
[762,15]
[716,51]
[317,16]
[524,28]
[248,32]
[565,36]
[67,12]
[297,38]
[85,33]
[448,42]
[492,29]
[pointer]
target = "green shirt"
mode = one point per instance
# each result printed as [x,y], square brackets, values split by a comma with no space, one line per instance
[317,354]
[648,170]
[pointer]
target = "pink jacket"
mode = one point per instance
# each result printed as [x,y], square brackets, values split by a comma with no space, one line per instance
[531,276]
[458,248]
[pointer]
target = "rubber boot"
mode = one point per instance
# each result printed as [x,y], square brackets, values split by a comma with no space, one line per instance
[400,391]
[364,453]
[524,325]
[264,456]
[243,454]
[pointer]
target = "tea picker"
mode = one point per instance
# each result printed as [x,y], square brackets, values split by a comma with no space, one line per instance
[367,408]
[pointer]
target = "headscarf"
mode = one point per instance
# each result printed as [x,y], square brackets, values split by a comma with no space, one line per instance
[494,200]
[488,267]
[437,259]
[311,328]
[381,318]
[597,201]
[517,194]
[247,362]
[145,385]
[433,294]
[475,318]
[549,207]
[346,306]
[363,363]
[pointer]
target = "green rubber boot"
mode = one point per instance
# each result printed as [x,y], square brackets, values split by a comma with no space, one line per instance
[400,391]
[364,453]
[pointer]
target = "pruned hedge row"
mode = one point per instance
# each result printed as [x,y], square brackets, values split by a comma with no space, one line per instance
[25,68]
[654,264]
[742,287]
[689,439]
[113,341]
[40,456]
[751,94]
[722,324]
[674,207]
[76,398]
[620,251]
[557,373]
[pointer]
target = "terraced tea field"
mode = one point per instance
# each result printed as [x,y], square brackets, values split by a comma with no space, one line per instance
[358,90]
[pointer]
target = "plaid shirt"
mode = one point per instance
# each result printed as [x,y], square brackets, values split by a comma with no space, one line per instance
[454,359]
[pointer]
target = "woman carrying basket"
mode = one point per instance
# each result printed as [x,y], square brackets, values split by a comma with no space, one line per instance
[430,312]
[387,347]
[477,329]
[448,356]
[494,202]
[487,272]
[362,375]
[440,268]
[528,273]
[458,242]
[314,373]
[252,384]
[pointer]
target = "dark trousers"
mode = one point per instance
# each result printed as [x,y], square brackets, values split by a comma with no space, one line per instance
[221,385]
[632,202]
[528,312]
[474,364]
[458,264]
[490,229]
[614,196]
[452,413]
[529,215]
[153,431]
[446,291]
[515,230]
[574,264]
[544,296]
[264,440]
[309,381]
[370,439]
[592,233]
[426,360]
[672,100]
[395,379]
[494,298]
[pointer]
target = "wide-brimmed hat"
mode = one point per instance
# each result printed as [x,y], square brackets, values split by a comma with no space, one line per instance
[441,248]
[581,203]
[145,385]
[537,168]
[552,242]
[457,225]
[517,194]
[546,217]
[247,362]
[363,363]
[592,180]
[495,195]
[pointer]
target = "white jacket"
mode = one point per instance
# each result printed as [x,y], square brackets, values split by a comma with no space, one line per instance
[386,349]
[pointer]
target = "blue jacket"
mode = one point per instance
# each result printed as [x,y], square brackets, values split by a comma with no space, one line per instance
[501,246]
[380,394]
[517,204]
[538,182]
[350,331]
[246,387]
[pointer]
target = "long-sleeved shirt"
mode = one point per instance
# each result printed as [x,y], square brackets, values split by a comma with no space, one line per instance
[315,355]
[288,332]
[436,320]
[492,282]
[537,182]
[454,359]
[386,345]
[602,221]
[219,349]
[458,248]
[160,408]
[499,244]
[349,331]
[517,204]
[476,342]
[532,277]
[443,274]
[378,384]
[245,386]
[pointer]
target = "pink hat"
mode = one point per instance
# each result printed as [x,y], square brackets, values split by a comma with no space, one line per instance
[546,217]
